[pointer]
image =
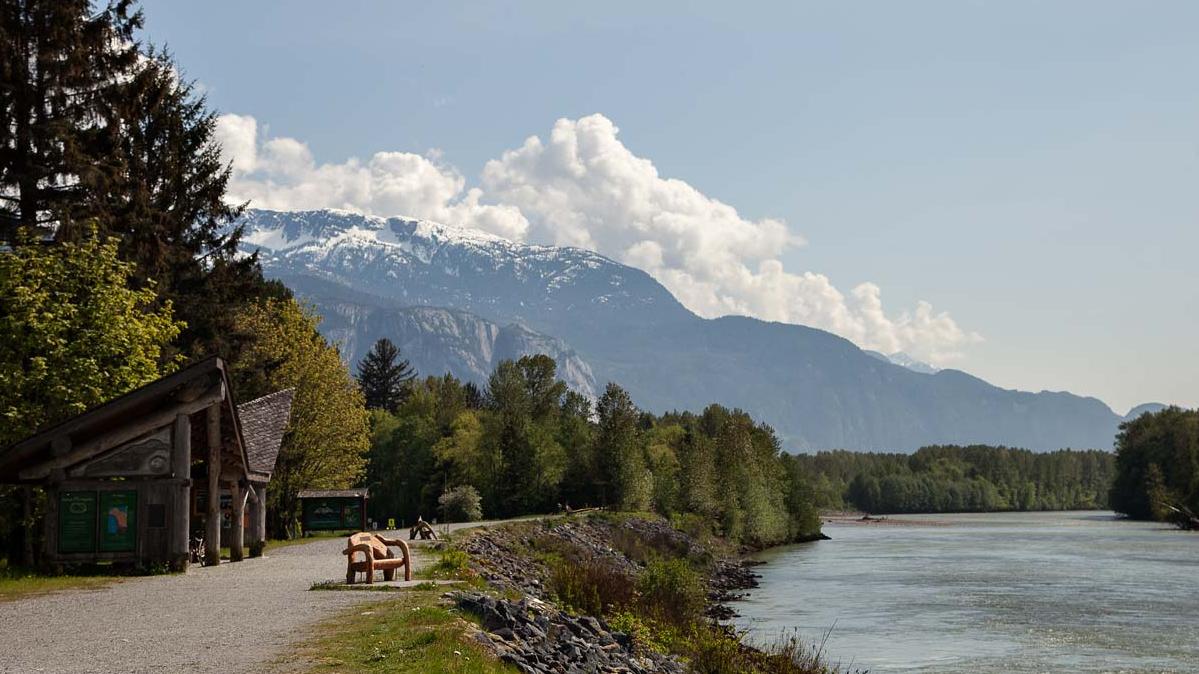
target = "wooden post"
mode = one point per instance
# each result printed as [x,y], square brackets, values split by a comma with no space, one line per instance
[212,525]
[181,468]
[27,547]
[237,528]
[258,538]
[50,537]
[252,532]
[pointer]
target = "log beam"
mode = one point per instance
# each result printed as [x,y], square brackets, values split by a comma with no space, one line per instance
[181,466]
[236,528]
[212,524]
[66,455]
[258,520]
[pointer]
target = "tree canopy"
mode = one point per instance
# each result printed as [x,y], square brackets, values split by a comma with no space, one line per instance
[951,478]
[384,376]
[73,334]
[327,438]
[534,446]
[100,131]
[1157,464]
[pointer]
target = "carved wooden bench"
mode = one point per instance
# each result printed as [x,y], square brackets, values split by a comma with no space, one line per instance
[377,555]
[422,529]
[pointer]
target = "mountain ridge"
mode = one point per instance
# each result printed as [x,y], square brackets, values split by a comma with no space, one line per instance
[817,389]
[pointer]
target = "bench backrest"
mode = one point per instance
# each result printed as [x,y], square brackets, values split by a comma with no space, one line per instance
[378,549]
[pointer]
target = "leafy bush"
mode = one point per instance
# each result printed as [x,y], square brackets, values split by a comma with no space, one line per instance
[671,591]
[461,504]
[590,586]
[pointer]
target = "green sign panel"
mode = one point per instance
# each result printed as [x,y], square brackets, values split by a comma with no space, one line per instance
[77,521]
[327,514]
[118,521]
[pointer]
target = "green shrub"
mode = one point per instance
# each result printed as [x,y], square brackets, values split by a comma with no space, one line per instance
[461,504]
[590,586]
[671,591]
[694,525]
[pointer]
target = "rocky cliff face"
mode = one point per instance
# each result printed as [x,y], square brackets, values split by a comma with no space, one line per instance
[437,341]
[605,321]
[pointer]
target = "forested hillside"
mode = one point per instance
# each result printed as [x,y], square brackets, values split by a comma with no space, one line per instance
[977,478]
[529,445]
[1157,467]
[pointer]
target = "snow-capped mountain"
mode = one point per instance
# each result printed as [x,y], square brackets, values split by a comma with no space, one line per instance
[904,360]
[605,321]
[416,262]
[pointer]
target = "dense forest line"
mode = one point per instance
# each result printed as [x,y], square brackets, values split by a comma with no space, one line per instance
[1157,467]
[527,444]
[950,478]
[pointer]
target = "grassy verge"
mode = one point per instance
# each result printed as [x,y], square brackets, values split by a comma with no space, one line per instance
[413,632]
[19,584]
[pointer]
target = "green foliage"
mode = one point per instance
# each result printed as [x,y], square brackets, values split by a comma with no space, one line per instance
[72,333]
[1157,464]
[385,378]
[671,591]
[328,435]
[100,131]
[534,447]
[949,478]
[461,504]
[620,456]
[589,586]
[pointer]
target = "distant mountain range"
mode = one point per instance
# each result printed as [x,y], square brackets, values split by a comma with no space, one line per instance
[460,300]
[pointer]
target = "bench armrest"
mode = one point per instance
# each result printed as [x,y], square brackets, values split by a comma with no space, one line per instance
[364,548]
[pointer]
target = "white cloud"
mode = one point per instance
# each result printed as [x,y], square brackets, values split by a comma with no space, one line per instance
[281,173]
[583,187]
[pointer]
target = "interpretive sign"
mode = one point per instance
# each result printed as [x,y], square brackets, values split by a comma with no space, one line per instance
[332,513]
[76,521]
[118,521]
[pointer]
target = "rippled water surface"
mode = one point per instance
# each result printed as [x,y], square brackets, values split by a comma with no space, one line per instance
[1023,592]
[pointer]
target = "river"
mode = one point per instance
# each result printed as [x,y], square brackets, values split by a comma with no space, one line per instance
[1001,592]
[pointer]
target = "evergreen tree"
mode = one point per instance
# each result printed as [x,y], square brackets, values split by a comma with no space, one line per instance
[618,452]
[62,63]
[96,130]
[384,376]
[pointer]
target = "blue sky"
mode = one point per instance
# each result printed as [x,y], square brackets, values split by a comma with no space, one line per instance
[1030,168]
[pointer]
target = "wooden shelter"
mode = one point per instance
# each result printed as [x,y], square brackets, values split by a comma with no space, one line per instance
[123,478]
[333,509]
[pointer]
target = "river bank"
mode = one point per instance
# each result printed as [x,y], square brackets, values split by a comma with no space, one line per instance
[614,592]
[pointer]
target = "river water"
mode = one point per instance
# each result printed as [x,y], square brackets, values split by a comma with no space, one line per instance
[1009,592]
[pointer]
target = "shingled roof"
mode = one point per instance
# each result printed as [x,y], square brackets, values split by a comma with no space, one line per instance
[263,422]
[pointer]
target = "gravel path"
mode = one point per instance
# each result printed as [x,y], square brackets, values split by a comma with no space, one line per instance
[229,618]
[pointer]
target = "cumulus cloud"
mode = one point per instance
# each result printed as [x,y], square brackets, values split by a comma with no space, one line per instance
[281,173]
[581,186]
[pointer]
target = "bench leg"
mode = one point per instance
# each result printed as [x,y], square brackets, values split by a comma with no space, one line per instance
[370,573]
[350,576]
[389,574]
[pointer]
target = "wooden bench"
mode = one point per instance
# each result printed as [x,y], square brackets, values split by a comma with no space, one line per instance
[422,529]
[377,555]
